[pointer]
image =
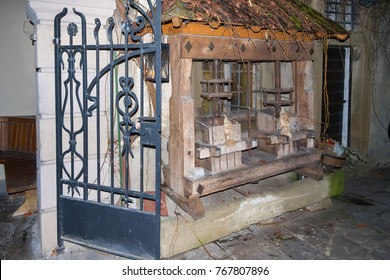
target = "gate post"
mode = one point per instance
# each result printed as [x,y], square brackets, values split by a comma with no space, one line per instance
[42,15]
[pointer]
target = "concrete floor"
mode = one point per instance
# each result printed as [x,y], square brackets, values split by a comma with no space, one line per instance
[355,226]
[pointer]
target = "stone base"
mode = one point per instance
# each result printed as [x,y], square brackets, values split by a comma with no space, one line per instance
[324,204]
[238,208]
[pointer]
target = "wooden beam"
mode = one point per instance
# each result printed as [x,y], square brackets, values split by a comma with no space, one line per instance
[176,22]
[304,95]
[207,47]
[181,105]
[206,151]
[314,171]
[253,173]
[221,30]
[192,205]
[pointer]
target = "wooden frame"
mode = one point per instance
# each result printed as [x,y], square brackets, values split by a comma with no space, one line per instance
[180,184]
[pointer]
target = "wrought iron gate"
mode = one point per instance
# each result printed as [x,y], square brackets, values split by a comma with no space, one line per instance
[108,134]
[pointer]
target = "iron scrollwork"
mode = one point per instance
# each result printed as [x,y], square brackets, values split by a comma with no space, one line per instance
[72,101]
[130,104]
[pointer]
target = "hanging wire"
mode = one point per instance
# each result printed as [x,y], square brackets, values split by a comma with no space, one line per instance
[325,90]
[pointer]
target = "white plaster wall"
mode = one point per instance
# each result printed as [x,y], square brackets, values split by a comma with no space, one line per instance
[379,59]
[379,147]
[166,92]
[17,78]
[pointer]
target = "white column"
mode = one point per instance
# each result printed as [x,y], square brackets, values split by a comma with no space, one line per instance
[42,13]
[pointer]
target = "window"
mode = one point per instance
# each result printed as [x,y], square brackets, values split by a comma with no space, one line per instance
[344,12]
[239,75]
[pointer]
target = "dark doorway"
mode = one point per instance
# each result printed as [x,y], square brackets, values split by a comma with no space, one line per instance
[336,101]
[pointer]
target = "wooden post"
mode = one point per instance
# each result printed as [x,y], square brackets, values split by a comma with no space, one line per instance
[181,140]
[304,93]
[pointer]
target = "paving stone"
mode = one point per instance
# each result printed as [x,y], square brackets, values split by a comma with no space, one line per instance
[364,235]
[250,246]
[263,231]
[7,231]
[385,215]
[300,250]
[235,237]
[312,236]
[370,219]
[380,254]
[342,248]
[365,180]
[382,197]
[258,251]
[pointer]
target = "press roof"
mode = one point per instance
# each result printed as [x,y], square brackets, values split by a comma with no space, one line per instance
[278,15]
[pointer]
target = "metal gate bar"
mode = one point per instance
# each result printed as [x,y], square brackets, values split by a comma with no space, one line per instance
[94,210]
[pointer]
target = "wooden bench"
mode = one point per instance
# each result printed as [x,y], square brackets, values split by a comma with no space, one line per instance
[18,152]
